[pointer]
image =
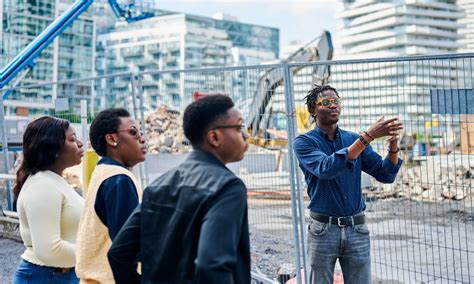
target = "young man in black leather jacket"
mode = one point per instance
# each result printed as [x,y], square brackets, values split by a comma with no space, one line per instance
[192,225]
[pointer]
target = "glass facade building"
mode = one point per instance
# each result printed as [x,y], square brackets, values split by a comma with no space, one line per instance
[175,41]
[374,29]
[467,29]
[70,56]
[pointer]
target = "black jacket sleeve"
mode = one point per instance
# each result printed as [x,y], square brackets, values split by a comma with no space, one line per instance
[123,253]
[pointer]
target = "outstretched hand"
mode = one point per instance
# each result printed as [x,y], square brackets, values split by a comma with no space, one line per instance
[382,128]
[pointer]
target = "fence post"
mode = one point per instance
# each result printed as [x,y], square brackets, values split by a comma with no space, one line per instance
[6,164]
[291,134]
[93,96]
[297,176]
[136,88]
[84,142]
[301,216]
[141,108]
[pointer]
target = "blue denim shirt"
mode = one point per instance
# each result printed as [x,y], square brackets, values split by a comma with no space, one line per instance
[334,182]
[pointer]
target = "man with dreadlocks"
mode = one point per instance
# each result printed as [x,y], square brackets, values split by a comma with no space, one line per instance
[332,160]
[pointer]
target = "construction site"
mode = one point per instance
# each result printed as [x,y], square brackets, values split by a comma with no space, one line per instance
[421,225]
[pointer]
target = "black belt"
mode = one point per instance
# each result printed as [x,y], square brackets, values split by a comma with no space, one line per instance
[340,221]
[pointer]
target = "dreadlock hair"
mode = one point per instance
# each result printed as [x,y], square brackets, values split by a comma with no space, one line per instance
[314,94]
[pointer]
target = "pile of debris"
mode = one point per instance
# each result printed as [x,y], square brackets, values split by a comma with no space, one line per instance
[436,178]
[72,175]
[74,180]
[164,130]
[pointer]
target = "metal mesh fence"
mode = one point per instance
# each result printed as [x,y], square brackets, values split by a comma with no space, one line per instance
[421,225]
[264,168]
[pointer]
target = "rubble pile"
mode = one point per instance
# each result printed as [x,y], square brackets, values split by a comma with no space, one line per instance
[73,180]
[164,131]
[433,184]
[72,175]
[438,178]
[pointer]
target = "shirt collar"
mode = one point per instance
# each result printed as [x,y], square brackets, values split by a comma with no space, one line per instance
[110,161]
[321,133]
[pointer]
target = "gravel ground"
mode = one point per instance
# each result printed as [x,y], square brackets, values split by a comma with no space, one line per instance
[412,242]
[10,252]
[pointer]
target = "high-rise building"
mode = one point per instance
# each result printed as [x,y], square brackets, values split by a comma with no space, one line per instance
[173,41]
[70,56]
[467,29]
[395,28]
[399,27]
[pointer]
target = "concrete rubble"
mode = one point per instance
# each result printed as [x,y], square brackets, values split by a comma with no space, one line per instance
[164,131]
[433,178]
[9,225]
[73,179]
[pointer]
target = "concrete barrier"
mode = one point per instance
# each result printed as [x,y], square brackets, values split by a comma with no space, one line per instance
[9,225]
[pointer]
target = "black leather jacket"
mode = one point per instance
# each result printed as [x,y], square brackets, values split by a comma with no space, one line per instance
[191,227]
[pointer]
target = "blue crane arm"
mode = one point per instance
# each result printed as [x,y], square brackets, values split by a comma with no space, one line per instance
[28,55]
[129,11]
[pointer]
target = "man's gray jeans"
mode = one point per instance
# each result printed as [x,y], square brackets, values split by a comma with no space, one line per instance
[350,244]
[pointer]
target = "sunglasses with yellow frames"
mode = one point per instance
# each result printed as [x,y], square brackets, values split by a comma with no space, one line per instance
[326,102]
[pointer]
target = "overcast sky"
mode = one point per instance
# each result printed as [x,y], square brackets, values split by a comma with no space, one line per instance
[298,20]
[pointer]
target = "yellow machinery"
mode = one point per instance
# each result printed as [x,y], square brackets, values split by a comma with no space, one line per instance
[277,137]
[267,126]
[89,162]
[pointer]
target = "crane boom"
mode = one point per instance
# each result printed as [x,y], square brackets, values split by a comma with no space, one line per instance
[29,54]
[26,58]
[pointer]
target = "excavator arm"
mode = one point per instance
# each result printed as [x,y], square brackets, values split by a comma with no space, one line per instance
[261,108]
[27,57]
[260,114]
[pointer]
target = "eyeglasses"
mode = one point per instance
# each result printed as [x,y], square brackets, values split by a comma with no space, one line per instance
[132,131]
[240,127]
[327,102]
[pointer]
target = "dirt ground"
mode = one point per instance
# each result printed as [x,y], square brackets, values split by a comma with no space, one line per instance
[412,241]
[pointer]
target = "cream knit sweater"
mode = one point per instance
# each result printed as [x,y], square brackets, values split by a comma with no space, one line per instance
[49,210]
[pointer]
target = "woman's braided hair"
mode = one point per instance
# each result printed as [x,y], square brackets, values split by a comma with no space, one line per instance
[313,94]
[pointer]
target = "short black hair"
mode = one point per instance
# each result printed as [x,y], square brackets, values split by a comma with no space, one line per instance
[42,141]
[315,93]
[106,122]
[201,114]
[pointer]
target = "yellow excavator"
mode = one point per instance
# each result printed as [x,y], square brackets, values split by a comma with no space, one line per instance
[267,125]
